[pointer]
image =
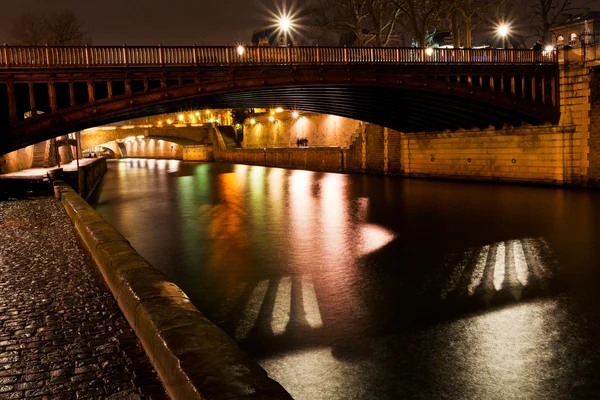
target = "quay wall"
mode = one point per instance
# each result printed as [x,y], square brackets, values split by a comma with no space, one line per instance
[193,357]
[17,160]
[88,177]
[198,153]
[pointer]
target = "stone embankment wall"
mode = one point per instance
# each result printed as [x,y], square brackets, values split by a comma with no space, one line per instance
[198,153]
[88,177]
[320,130]
[193,357]
[17,160]
[316,159]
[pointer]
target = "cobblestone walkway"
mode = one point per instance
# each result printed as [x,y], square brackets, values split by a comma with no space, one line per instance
[62,335]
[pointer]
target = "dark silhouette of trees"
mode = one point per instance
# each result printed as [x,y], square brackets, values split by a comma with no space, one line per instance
[59,29]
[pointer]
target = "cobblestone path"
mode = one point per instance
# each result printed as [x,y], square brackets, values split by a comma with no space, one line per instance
[62,335]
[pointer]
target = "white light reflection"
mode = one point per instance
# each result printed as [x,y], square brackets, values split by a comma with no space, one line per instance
[500,266]
[520,263]
[281,311]
[311,305]
[503,266]
[373,237]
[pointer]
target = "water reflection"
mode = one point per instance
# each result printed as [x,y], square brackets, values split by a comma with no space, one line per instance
[364,287]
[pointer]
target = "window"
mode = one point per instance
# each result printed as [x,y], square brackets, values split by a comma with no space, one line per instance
[573,39]
[560,40]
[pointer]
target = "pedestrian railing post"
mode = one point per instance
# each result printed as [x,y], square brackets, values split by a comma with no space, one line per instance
[48,64]
[125,61]
[87,56]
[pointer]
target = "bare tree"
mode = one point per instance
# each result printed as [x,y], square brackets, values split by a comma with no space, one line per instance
[368,22]
[60,29]
[63,29]
[545,13]
[383,16]
[481,12]
[420,18]
[29,30]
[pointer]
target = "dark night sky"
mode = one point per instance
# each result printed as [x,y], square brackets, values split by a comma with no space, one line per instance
[151,22]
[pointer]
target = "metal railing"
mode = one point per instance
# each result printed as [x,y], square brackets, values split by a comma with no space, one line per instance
[170,56]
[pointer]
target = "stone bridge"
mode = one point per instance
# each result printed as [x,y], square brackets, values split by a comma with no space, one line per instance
[49,91]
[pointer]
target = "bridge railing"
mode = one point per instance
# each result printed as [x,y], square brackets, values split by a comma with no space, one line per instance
[165,56]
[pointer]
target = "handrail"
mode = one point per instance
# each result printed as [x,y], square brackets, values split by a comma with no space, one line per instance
[34,57]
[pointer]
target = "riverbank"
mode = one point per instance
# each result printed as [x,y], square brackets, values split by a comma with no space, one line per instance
[61,331]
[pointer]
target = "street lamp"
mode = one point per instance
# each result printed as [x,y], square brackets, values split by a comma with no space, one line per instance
[503,31]
[285,24]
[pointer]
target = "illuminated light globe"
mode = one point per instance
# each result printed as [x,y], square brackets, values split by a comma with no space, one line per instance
[429,51]
[285,23]
[240,50]
[503,30]
[271,118]
[252,121]
[295,114]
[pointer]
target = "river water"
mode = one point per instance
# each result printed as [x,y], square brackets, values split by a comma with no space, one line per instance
[371,287]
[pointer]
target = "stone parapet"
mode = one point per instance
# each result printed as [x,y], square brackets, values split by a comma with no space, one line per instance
[193,357]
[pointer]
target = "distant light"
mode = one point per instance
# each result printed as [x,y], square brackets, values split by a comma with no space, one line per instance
[240,50]
[191,116]
[279,109]
[252,121]
[549,49]
[160,122]
[207,112]
[169,121]
[272,112]
[295,114]
[181,117]
[429,51]
[140,137]
[197,113]
[271,118]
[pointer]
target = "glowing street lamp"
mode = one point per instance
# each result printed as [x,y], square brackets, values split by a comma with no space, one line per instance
[285,24]
[240,50]
[503,31]
[295,114]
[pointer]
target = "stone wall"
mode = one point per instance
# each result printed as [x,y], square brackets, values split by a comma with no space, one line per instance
[153,148]
[198,153]
[320,130]
[87,178]
[316,159]
[17,160]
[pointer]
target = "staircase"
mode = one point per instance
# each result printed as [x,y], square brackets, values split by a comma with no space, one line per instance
[39,155]
[228,134]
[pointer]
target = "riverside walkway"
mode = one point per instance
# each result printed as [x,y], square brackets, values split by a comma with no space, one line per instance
[62,335]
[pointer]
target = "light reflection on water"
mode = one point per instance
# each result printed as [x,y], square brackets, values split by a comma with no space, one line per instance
[365,287]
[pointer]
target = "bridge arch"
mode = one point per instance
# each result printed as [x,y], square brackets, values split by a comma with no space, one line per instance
[406,97]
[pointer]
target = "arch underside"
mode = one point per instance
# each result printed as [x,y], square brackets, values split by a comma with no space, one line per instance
[413,108]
